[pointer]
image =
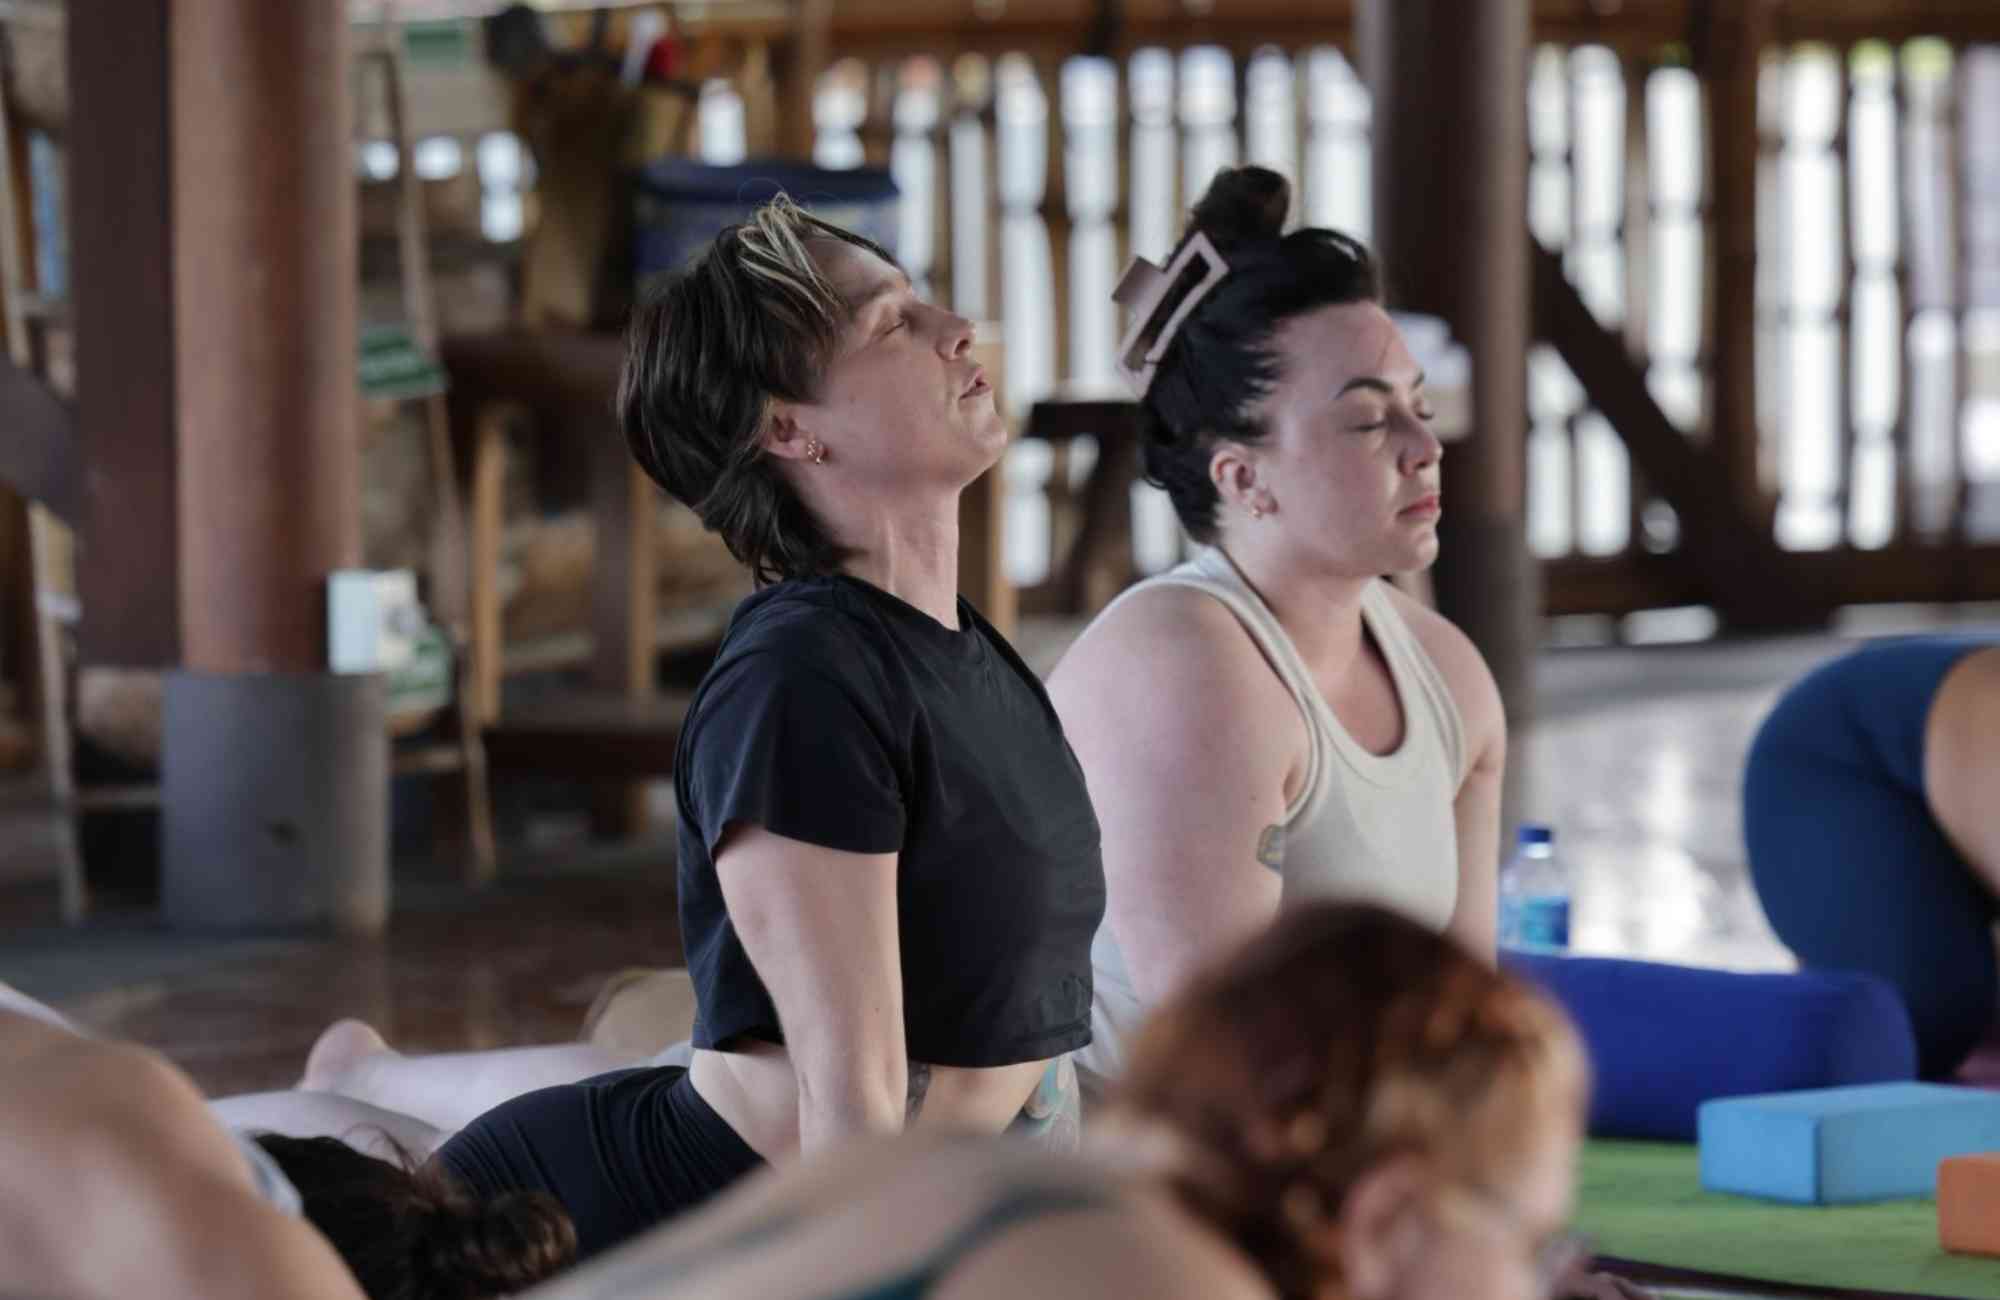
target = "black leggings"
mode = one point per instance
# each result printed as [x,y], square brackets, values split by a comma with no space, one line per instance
[622,1151]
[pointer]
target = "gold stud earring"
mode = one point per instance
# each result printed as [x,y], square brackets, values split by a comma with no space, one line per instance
[816,451]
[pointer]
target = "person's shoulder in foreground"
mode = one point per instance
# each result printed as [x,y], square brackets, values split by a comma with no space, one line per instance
[117,1182]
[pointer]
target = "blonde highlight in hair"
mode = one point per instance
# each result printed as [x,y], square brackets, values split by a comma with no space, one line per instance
[1342,1038]
[774,251]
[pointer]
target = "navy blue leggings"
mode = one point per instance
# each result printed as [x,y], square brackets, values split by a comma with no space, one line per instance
[1851,869]
[622,1152]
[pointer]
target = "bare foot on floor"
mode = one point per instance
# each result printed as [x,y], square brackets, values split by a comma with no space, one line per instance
[343,1045]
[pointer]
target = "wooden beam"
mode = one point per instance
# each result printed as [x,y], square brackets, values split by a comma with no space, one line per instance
[873,29]
[1097,565]
[594,737]
[486,645]
[1450,185]
[1843,312]
[1636,228]
[561,379]
[39,459]
[1846,22]
[812,22]
[265,305]
[624,504]
[1842,576]
[1620,584]
[121,223]
[274,772]
[19,619]
[1741,569]
[1730,38]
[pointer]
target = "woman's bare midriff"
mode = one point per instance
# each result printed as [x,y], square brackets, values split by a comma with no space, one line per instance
[753,1088]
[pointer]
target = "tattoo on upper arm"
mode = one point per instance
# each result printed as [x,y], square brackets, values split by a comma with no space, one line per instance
[1271,847]
[920,1084]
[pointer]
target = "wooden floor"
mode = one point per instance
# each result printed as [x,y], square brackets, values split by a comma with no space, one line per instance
[518,963]
[1635,762]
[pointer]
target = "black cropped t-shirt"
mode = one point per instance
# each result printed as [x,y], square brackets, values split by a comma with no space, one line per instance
[838,715]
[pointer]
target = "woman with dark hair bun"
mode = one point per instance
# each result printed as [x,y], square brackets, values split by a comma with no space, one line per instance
[1271,720]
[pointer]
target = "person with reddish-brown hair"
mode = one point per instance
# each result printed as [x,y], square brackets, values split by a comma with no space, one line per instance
[1347,1107]
[1366,1110]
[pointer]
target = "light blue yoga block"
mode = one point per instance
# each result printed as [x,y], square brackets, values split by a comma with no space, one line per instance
[1832,1146]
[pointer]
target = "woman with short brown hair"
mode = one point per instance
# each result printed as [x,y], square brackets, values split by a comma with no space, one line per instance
[888,870]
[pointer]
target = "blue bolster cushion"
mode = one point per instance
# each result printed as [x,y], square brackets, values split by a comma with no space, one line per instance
[1664,1039]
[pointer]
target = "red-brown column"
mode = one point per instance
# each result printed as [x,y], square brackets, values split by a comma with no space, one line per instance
[212,215]
[264,316]
[121,272]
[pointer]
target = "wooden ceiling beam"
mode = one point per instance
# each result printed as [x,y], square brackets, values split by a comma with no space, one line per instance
[950,27]
[1915,574]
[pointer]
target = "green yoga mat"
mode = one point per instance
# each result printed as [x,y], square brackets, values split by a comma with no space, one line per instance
[1643,1201]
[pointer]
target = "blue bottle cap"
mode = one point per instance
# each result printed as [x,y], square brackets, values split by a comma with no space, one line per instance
[1532,833]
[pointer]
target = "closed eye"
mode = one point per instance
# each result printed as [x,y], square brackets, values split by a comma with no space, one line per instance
[1422,411]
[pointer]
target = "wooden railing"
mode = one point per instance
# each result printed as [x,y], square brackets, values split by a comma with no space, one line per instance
[1785,220]
[1776,225]
[1821,317]
[1770,303]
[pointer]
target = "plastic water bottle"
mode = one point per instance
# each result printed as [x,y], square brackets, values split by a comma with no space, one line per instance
[1534,895]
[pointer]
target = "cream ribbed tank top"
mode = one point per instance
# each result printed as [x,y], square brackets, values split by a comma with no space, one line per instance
[1365,827]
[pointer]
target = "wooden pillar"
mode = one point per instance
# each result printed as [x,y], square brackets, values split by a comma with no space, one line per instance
[1730,38]
[213,210]
[624,617]
[265,304]
[1450,184]
[120,226]
[812,24]
[274,776]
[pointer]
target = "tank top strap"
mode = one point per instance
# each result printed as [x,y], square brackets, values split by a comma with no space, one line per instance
[1211,572]
[1410,662]
[1010,1209]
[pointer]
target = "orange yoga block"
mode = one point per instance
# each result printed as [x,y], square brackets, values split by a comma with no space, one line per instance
[1968,1203]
